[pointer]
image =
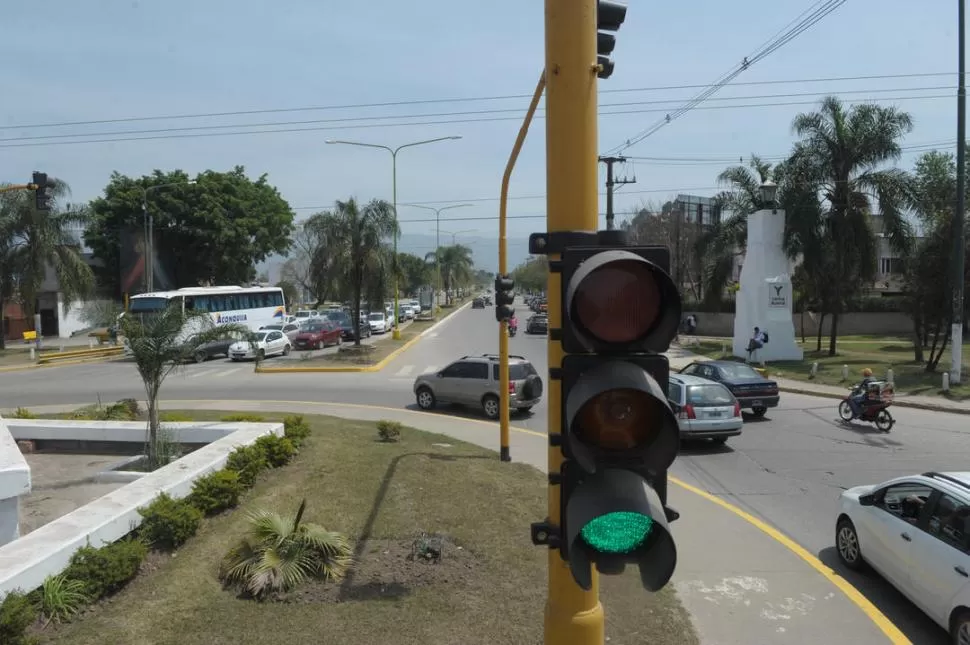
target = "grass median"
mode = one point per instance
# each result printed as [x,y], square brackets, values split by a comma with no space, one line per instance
[488,586]
[859,352]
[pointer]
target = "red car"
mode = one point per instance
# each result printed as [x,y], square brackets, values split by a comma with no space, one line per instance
[317,335]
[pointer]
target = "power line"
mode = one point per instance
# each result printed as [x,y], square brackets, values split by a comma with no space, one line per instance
[816,12]
[196,135]
[475,99]
[441,114]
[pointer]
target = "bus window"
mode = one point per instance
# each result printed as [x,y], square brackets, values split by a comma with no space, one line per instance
[146,305]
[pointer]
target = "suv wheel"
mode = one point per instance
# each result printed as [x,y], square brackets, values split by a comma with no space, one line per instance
[425,398]
[490,405]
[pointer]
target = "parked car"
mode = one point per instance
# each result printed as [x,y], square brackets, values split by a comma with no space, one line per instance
[474,381]
[752,390]
[267,343]
[210,349]
[347,328]
[317,335]
[704,409]
[379,323]
[478,303]
[291,330]
[915,532]
[537,324]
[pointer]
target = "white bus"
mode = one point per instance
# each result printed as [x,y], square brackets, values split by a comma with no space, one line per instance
[250,306]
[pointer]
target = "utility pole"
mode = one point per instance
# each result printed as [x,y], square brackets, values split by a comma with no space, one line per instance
[610,182]
[959,243]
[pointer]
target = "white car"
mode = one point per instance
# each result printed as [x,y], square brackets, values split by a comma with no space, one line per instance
[915,532]
[291,330]
[268,343]
[378,323]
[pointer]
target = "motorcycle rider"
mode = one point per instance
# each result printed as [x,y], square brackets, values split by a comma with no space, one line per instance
[858,394]
[513,323]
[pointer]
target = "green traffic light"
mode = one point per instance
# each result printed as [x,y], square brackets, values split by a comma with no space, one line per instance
[622,532]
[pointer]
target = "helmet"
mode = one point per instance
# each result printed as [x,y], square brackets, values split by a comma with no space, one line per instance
[867,372]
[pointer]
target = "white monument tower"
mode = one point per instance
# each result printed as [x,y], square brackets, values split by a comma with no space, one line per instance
[765,297]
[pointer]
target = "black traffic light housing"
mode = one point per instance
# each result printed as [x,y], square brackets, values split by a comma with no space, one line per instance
[609,18]
[579,262]
[42,191]
[504,297]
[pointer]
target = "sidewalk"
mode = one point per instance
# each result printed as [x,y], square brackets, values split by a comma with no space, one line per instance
[740,584]
[681,357]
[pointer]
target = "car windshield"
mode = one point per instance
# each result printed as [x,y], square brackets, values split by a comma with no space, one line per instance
[272,327]
[260,336]
[377,316]
[712,394]
[738,370]
[315,328]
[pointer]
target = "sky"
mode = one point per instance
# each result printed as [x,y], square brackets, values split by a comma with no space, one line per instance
[112,61]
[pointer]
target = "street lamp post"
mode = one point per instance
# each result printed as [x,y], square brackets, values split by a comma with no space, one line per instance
[149,224]
[437,246]
[393,151]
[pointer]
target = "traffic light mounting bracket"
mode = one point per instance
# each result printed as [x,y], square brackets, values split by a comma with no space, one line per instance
[555,242]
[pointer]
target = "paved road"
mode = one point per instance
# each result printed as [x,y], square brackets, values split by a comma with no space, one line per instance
[787,469]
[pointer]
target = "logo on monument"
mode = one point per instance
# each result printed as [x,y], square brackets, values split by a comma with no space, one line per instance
[777,298]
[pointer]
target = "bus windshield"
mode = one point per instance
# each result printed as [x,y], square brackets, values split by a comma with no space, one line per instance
[147,305]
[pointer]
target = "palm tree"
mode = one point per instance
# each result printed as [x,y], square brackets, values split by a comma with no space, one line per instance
[33,240]
[159,346]
[455,264]
[279,553]
[839,155]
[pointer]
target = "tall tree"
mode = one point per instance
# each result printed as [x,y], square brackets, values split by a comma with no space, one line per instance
[214,231]
[669,226]
[357,236]
[307,240]
[532,274]
[413,272]
[841,152]
[33,241]
[456,265]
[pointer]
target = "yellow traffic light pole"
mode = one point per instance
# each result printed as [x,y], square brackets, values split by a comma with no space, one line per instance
[503,269]
[573,616]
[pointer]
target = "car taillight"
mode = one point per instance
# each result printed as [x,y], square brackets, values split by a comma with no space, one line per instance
[687,412]
[737,409]
[511,387]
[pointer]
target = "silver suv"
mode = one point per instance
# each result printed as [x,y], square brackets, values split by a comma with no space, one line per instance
[474,381]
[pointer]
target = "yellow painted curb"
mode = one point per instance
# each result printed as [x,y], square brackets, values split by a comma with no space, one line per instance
[59,356]
[65,363]
[376,367]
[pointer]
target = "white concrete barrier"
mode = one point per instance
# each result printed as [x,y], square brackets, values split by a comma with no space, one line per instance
[14,482]
[27,561]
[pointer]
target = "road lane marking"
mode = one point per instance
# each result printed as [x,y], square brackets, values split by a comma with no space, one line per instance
[404,371]
[221,373]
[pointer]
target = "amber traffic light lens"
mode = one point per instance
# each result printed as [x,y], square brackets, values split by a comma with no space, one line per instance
[618,302]
[622,419]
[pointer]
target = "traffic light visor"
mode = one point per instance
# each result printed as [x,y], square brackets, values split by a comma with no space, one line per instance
[618,410]
[617,298]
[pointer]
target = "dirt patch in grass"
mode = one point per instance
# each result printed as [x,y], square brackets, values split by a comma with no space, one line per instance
[426,494]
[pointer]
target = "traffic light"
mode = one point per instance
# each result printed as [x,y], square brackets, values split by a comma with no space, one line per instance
[618,435]
[42,191]
[609,17]
[504,297]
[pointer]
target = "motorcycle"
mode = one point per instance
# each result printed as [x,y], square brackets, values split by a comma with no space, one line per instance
[512,331]
[873,409]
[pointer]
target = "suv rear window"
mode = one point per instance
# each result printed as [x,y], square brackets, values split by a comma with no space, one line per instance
[709,395]
[517,372]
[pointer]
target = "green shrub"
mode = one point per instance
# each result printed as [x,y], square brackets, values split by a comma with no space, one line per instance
[248,462]
[174,417]
[244,417]
[62,598]
[17,613]
[296,429]
[277,450]
[216,492]
[167,523]
[389,430]
[23,413]
[106,570]
[131,406]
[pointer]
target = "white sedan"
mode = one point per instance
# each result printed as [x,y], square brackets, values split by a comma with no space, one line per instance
[292,330]
[915,532]
[378,323]
[267,343]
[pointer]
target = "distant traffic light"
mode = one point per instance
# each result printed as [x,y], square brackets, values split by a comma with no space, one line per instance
[42,191]
[619,435]
[609,18]
[504,297]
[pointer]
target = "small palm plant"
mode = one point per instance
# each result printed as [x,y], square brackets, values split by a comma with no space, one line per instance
[279,553]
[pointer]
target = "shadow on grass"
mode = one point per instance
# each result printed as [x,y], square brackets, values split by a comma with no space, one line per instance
[349,590]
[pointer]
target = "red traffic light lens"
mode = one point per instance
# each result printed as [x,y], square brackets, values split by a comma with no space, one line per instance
[618,302]
[621,419]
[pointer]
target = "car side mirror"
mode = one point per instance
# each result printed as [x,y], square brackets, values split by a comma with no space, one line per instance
[440,374]
[867,500]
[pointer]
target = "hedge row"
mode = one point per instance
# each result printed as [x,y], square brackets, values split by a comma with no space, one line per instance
[861,305]
[167,523]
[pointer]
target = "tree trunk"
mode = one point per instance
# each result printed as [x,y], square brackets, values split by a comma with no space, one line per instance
[918,337]
[151,445]
[818,340]
[834,333]
[937,354]
[3,335]
[802,315]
